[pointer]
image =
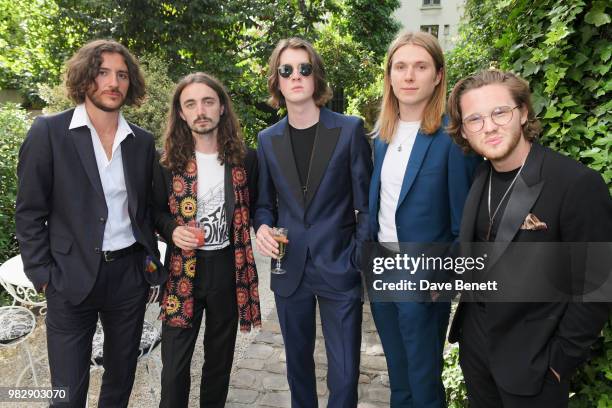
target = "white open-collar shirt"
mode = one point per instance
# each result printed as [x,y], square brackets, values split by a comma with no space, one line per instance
[118,232]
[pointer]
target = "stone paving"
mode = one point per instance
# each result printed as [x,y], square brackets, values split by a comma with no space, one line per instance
[260,376]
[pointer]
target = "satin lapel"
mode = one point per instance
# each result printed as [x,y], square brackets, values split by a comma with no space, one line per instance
[128,156]
[522,198]
[283,150]
[81,138]
[419,150]
[323,151]
[470,209]
[230,200]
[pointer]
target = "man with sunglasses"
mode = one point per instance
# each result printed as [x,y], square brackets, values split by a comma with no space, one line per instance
[314,174]
[517,355]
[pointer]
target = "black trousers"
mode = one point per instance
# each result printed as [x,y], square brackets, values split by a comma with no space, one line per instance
[214,290]
[482,390]
[118,298]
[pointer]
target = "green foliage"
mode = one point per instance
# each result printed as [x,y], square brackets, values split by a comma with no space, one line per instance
[372,23]
[593,382]
[452,377]
[34,42]
[151,115]
[14,124]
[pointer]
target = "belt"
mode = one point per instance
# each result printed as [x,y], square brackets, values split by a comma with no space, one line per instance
[109,256]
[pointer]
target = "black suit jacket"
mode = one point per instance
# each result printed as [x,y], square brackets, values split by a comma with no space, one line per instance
[162,186]
[61,210]
[525,339]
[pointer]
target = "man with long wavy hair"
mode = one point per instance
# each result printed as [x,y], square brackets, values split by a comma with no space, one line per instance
[314,172]
[418,189]
[84,225]
[205,184]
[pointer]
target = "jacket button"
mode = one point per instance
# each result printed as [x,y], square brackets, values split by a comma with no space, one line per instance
[97,250]
[102,220]
[308,225]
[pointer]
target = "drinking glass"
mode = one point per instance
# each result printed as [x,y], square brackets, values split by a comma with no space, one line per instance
[280,236]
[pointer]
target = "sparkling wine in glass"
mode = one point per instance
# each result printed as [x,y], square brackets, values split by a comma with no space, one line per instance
[280,236]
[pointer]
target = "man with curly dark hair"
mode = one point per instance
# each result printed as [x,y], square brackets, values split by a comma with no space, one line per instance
[84,225]
[204,189]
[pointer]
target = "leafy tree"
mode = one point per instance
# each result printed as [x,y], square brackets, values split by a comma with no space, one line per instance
[372,23]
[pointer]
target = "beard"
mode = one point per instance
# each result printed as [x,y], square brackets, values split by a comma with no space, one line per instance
[97,102]
[204,130]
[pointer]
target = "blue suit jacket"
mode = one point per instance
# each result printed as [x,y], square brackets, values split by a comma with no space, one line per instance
[331,221]
[436,183]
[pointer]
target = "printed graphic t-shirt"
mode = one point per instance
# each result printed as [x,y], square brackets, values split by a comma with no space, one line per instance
[211,201]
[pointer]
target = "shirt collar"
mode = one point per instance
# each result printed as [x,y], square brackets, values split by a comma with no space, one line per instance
[81,118]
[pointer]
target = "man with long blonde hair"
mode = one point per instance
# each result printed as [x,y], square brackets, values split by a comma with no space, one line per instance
[418,189]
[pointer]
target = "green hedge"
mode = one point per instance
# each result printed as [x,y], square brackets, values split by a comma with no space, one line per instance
[14,123]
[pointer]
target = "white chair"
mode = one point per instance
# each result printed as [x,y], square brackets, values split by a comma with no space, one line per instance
[14,280]
[17,324]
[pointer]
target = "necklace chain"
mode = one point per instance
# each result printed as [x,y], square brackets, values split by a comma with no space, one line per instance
[492,217]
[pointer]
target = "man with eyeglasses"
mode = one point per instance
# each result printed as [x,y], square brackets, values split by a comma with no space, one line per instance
[314,174]
[523,354]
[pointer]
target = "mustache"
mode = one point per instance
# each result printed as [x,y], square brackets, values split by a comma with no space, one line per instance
[202,117]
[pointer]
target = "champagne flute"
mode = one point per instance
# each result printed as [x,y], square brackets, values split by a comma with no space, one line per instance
[280,236]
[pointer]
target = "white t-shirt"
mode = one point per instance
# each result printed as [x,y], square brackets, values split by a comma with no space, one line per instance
[392,177]
[211,201]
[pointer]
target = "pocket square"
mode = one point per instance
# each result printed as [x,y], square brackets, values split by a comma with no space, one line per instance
[532,223]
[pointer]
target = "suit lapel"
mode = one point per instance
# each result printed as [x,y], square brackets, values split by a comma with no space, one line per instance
[81,138]
[324,147]
[230,201]
[524,194]
[419,150]
[283,150]
[128,157]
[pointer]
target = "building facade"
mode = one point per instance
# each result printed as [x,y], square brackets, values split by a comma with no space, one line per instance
[441,18]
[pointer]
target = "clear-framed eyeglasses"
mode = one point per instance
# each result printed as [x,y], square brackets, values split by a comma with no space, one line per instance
[501,115]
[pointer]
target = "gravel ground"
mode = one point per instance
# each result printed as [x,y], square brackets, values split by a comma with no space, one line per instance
[145,393]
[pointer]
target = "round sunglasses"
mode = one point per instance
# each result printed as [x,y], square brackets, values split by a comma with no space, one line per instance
[285,70]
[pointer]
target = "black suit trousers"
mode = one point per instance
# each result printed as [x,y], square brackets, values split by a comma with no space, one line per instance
[214,289]
[118,298]
[483,391]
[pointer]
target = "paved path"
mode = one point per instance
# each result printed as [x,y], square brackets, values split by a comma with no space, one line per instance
[260,379]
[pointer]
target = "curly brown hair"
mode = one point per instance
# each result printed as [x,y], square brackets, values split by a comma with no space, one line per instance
[82,70]
[179,145]
[519,90]
[322,91]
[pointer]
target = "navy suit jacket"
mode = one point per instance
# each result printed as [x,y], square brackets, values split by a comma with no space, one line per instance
[61,210]
[331,222]
[436,183]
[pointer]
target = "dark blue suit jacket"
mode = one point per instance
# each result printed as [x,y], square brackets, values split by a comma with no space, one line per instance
[331,221]
[436,183]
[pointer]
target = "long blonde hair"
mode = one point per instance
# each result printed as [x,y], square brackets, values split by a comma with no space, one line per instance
[386,124]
